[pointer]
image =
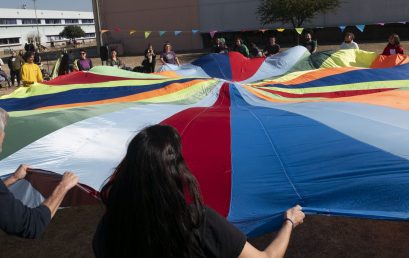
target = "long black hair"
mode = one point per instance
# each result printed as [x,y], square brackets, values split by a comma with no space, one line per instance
[153,204]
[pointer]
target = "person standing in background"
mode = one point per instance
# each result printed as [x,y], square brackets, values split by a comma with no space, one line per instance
[15,63]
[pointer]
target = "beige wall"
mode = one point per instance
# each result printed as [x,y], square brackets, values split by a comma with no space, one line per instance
[153,15]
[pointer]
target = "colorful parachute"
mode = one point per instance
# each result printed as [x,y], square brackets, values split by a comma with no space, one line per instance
[325,131]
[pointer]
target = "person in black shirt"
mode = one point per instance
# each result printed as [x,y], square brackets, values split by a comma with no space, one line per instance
[18,219]
[272,48]
[154,208]
[150,59]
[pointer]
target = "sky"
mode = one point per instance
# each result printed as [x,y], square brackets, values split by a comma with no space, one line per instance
[64,5]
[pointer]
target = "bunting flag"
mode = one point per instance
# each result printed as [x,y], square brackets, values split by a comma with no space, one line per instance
[381,23]
[280,29]
[147,33]
[195,31]
[263,30]
[342,28]
[360,27]
[117,29]
[299,30]
[212,33]
[131,32]
[103,31]
[177,32]
[402,22]
[162,32]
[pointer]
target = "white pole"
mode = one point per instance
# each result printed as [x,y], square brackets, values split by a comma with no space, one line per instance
[38,30]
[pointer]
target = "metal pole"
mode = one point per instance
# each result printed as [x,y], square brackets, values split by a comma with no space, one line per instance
[98,35]
[38,30]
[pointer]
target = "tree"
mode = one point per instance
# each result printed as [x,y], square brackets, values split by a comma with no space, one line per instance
[72,32]
[294,12]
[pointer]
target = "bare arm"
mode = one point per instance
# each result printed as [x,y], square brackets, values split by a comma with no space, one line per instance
[20,173]
[68,181]
[278,247]
[163,61]
[177,61]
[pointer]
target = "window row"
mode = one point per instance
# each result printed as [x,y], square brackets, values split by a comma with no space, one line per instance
[9,41]
[6,21]
[58,37]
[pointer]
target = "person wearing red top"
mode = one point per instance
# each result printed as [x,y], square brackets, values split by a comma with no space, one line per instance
[393,46]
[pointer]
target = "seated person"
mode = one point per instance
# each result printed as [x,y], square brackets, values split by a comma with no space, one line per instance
[84,63]
[272,48]
[168,56]
[393,47]
[310,44]
[30,72]
[114,60]
[255,51]
[349,42]
[18,219]
[221,47]
[150,60]
[241,48]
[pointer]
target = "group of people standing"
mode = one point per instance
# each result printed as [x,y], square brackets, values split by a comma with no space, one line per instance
[24,68]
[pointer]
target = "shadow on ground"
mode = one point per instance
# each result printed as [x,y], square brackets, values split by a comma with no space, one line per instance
[71,231]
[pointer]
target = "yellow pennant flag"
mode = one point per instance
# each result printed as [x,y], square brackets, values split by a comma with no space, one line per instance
[280,30]
[131,32]
[299,30]
[103,31]
[147,33]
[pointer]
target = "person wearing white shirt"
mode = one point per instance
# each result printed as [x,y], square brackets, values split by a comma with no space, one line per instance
[349,42]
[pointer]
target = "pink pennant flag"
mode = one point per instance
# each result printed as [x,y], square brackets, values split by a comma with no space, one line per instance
[263,30]
[212,33]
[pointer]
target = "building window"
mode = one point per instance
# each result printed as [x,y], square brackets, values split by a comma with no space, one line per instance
[71,21]
[89,35]
[52,21]
[9,41]
[31,21]
[54,38]
[87,20]
[8,21]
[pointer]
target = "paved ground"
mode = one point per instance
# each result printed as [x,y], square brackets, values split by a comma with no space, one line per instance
[70,233]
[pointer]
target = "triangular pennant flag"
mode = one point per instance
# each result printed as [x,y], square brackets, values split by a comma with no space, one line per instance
[162,32]
[103,31]
[131,32]
[360,27]
[195,31]
[342,28]
[177,32]
[299,30]
[280,30]
[212,33]
[117,29]
[147,33]
[381,23]
[263,30]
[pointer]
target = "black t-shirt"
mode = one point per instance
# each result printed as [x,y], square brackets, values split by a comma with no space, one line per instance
[272,49]
[218,238]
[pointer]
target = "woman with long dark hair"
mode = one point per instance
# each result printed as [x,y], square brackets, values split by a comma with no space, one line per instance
[394,47]
[154,208]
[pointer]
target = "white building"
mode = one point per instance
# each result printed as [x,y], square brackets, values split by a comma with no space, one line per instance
[18,26]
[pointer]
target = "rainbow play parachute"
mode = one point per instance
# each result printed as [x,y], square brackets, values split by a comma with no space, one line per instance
[329,131]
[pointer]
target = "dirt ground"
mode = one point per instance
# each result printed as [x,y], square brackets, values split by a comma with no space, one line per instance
[70,232]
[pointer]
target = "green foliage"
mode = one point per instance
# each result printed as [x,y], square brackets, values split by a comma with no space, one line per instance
[295,12]
[72,32]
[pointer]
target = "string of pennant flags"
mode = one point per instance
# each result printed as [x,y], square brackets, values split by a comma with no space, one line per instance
[360,27]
